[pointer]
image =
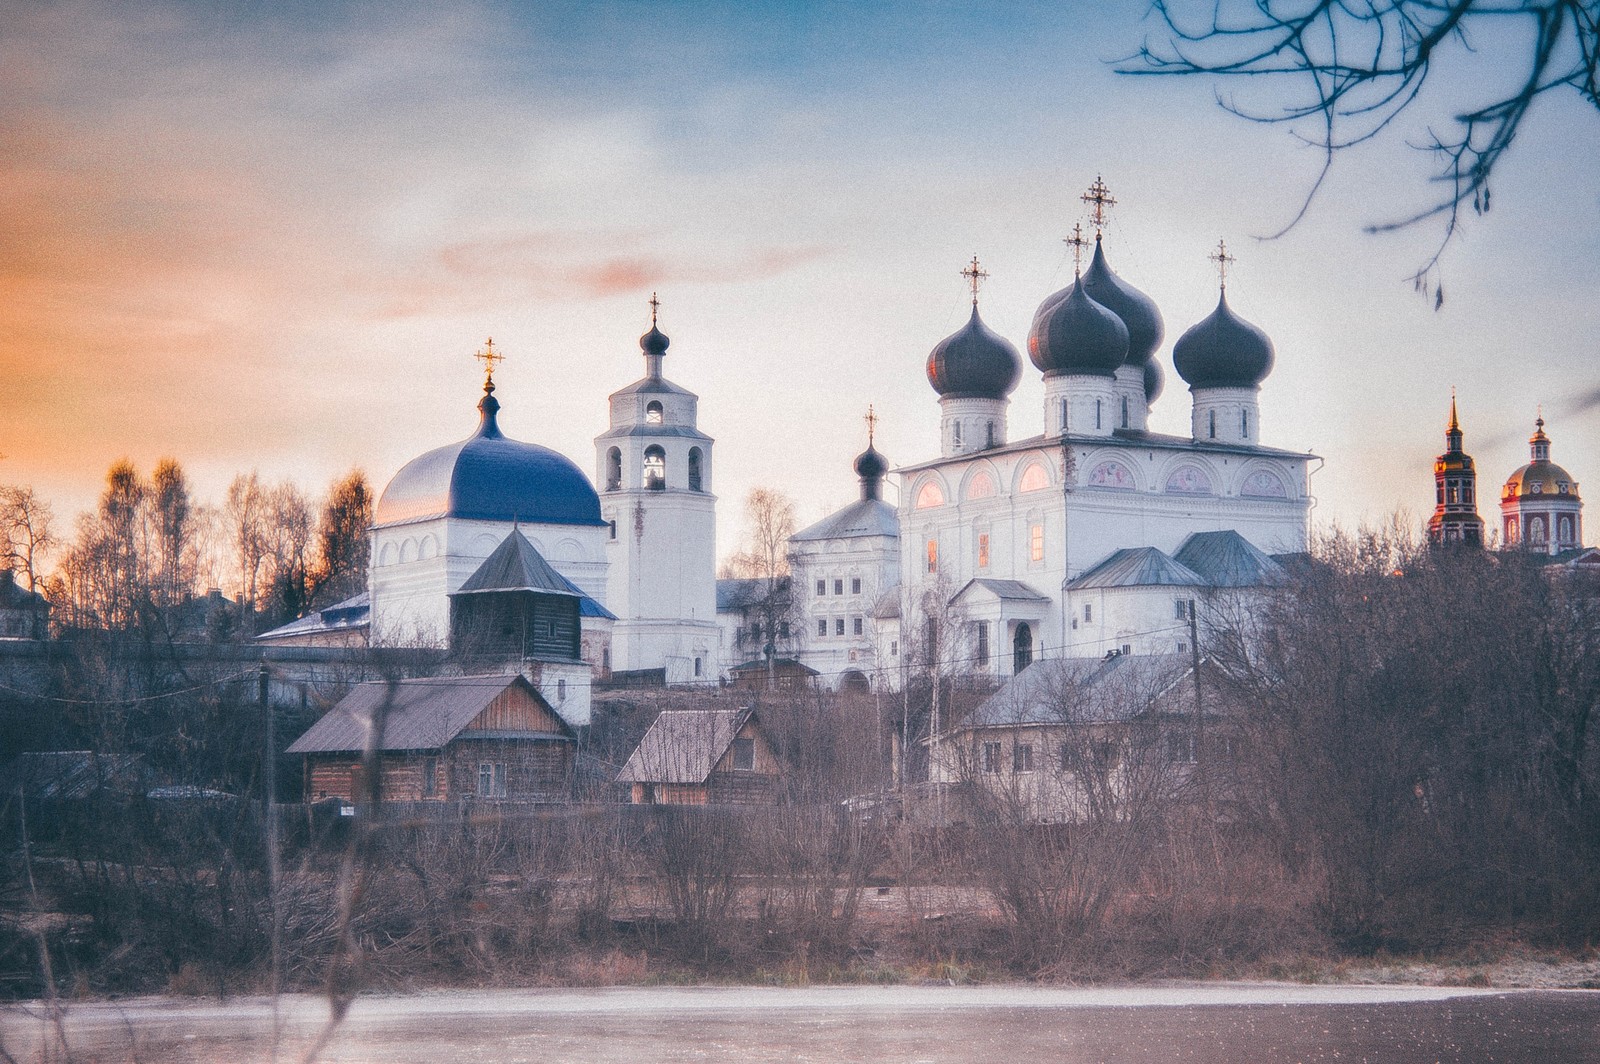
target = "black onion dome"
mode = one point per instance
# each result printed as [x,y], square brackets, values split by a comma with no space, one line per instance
[1155,380]
[975,363]
[871,465]
[1076,335]
[1137,310]
[1223,351]
[654,342]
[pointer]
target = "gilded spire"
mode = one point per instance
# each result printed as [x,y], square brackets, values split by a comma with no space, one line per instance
[1455,426]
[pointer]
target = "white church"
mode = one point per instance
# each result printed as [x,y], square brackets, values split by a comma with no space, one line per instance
[1089,538]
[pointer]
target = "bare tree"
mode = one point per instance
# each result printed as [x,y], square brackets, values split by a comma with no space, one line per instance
[26,533]
[769,524]
[341,566]
[1361,66]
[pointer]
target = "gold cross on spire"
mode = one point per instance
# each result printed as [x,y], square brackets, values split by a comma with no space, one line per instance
[1098,198]
[975,276]
[489,356]
[1078,243]
[872,423]
[1223,261]
[655,305]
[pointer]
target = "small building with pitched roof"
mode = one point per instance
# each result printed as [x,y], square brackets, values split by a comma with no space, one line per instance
[702,757]
[448,738]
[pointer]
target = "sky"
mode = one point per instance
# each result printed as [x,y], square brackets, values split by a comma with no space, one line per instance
[271,237]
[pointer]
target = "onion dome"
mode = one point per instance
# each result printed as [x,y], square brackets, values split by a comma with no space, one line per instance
[1223,351]
[1155,379]
[871,467]
[1540,476]
[488,477]
[975,363]
[1137,310]
[654,342]
[1076,335]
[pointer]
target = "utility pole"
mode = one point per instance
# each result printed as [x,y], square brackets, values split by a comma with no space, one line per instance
[269,767]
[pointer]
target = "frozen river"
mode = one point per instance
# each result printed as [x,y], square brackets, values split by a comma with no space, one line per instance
[1211,1023]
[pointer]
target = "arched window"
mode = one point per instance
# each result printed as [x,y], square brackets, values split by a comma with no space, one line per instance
[1212,418]
[1034,478]
[1244,424]
[1022,648]
[655,468]
[1124,411]
[1063,415]
[929,495]
[652,412]
[1566,530]
[981,486]
[991,435]
[955,434]
[1097,413]
[696,481]
[1536,530]
[1511,530]
[614,469]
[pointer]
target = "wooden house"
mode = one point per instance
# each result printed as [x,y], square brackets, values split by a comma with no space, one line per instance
[491,738]
[702,757]
[784,674]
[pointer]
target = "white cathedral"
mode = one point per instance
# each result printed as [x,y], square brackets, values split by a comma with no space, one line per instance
[1089,538]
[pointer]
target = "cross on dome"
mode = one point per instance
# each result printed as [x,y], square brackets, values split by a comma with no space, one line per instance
[489,357]
[655,305]
[1223,261]
[1098,198]
[872,417]
[1079,243]
[975,276]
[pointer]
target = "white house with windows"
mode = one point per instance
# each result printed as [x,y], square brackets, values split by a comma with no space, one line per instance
[660,519]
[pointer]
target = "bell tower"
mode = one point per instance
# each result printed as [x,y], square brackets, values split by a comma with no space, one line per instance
[1455,516]
[655,477]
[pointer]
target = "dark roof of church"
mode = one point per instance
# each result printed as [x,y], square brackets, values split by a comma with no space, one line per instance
[1227,559]
[864,517]
[419,714]
[517,565]
[489,477]
[1137,567]
[1008,590]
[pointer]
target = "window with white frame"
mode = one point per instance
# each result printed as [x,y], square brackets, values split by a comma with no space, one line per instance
[491,779]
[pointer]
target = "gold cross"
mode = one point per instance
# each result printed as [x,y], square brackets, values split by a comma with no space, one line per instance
[655,304]
[1223,261]
[1079,243]
[489,356]
[1099,198]
[975,276]
[872,423]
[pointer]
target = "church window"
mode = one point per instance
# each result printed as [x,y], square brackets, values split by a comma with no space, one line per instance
[1180,609]
[1036,543]
[1212,419]
[611,526]
[838,626]
[614,469]
[983,550]
[1088,612]
[822,588]
[1022,648]
[1097,413]
[1536,530]
[1566,530]
[855,585]
[981,486]
[697,666]
[856,626]
[822,626]
[1034,478]
[695,476]
[990,436]
[1063,415]
[605,659]
[1264,484]
[1466,493]
[1439,493]
[652,413]
[980,639]
[929,495]
[955,433]
[561,690]
[1453,494]
[933,556]
[1511,530]
[1244,424]
[894,648]
[838,586]
[655,468]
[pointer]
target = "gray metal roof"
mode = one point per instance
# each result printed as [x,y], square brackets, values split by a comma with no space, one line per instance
[652,386]
[517,565]
[682,746]
[1137,567]
[1081,690]
[738,594]
[1227,559]
[1006,590]
[420,714]
[864,517]
[674,431]
[1159,441]
[352,613]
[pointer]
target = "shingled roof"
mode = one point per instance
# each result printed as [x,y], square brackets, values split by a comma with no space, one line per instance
[419,714]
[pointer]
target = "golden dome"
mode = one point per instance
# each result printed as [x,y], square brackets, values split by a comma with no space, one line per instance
[1540,479]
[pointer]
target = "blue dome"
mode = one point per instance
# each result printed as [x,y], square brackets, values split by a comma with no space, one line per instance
[974,363]
[488,477]
[1076,335]
[1224,351]
[1137,310]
